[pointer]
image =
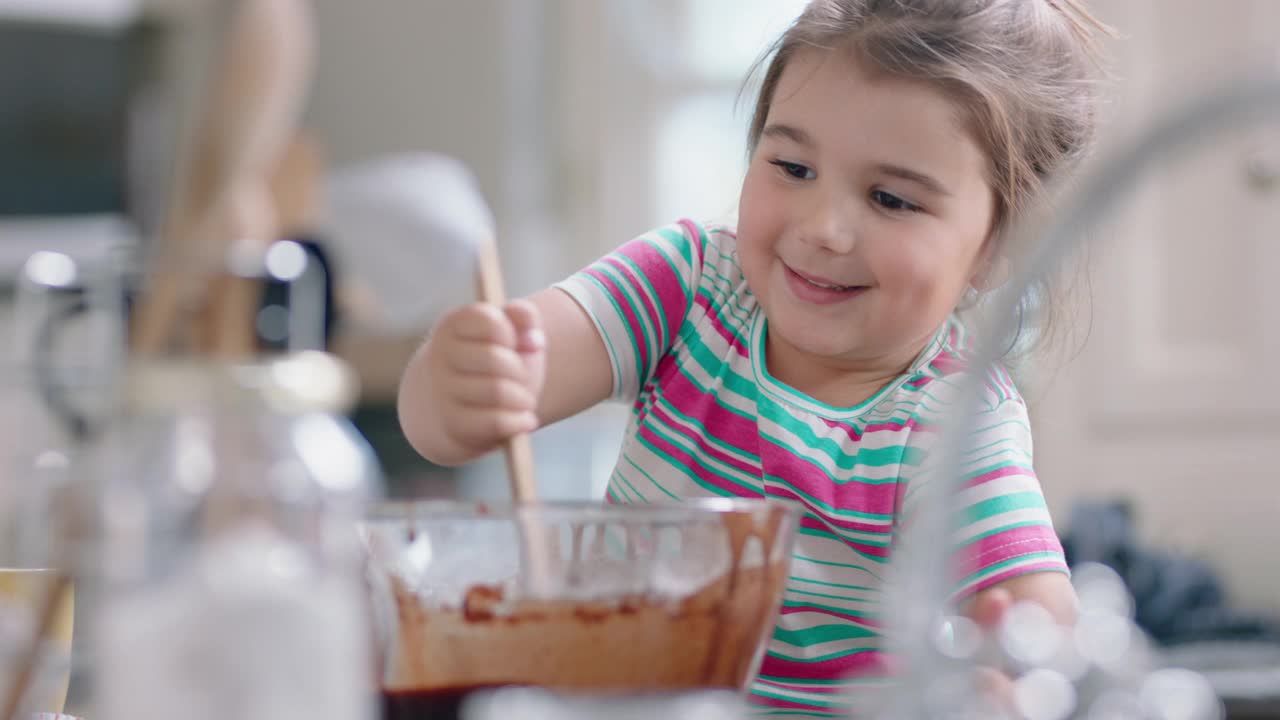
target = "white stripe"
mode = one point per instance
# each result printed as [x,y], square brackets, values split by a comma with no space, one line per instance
[810,652]
[1006,485]
[995,522]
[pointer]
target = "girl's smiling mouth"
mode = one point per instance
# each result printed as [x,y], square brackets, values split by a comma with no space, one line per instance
[819,290]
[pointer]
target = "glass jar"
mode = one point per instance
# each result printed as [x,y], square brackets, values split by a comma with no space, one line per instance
[225,559]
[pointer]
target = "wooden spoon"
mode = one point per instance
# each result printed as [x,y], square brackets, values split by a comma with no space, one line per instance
[223,206]
[518,449]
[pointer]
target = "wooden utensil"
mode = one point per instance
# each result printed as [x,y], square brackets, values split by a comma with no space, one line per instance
[223,209]
[518,449]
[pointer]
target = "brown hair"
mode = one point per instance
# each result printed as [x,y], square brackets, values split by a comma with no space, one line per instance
[1024,73]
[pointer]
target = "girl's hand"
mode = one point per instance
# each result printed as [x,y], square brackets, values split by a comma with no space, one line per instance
[484,369]
[987,609]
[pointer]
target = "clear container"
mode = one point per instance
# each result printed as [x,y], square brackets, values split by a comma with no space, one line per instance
[62,328]
[580,598]
[223,552]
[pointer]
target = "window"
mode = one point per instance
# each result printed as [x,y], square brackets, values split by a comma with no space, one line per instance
[699,142]
[654,129]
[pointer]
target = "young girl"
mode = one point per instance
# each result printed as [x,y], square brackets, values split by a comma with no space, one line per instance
[807,354]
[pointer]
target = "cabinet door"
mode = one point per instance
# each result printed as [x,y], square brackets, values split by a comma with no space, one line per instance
[1172,401]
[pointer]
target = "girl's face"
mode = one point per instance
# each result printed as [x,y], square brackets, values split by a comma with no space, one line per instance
[864,214]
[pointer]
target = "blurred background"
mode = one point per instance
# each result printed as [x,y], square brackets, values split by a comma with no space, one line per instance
[587,122]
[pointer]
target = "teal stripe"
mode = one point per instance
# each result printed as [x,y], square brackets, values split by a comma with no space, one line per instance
[1024,427]
[791,714]
[663,334]
[689,474]
[786,714]
[997,568]
[630,487]
[1015,456]
[813,532]
[819,634]
[810,593]
[638,309]
[835,451]
[713,392]
[1007,528]
[822,682]
[1022,469]
[829,563]
[716,367]
[1003,504]
[831,584]
[604,333]
[626,329]
[676,436]
[819,608]
[648,477]
[805,701]
[921,484]
[850,681]
[682,248]
[852,479]
[734,325]
[828,507]
[823,658]
[675,237]
[619,492]
[731,450]
[1001,441]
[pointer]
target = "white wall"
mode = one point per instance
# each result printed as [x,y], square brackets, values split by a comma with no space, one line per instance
[466,78]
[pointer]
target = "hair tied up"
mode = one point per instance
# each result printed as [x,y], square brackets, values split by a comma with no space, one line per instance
[1083,23]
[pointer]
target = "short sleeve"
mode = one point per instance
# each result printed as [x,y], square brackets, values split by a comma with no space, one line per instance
[638,296]
[1001,526]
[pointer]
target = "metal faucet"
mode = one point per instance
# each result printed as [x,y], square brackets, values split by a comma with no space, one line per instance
[917,611]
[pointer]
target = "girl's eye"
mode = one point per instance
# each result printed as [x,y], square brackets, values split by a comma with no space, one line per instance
[795,170]
[889,201]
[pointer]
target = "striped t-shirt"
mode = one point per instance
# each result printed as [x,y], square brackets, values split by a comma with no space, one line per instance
[686,340]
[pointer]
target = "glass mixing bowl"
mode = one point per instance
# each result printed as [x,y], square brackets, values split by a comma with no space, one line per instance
[573,597]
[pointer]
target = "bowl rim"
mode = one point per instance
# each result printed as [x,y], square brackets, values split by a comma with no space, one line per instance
[561,510]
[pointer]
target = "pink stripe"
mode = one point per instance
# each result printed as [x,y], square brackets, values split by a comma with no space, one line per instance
[843,427]
[1008,544]
[733,429]
[807,477]
[779,704]
[1006,471]
[894,426]
[694,233]
[714,319]
[658,270]
[947,362]
[651,310]
[786,493]
[808,521]
[670,423]
[801,708]
[1047,566]
[866,663]
[1006,381]
[628,315]
[793,608]
[921,382]
[996,384]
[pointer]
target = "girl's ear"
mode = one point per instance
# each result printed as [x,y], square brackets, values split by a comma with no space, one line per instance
[992,273]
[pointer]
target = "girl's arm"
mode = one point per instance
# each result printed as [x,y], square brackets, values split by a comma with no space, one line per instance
[578,373]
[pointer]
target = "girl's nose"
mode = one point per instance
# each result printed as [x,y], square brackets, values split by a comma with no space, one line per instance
[830,223]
